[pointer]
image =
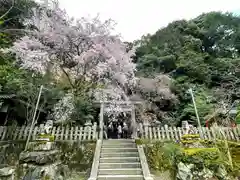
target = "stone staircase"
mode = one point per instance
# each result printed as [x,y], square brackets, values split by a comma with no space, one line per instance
[119,160]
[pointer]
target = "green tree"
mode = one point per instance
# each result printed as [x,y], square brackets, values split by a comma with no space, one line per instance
[202,52]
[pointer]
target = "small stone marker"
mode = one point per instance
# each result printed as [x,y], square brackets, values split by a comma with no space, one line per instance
[45,140]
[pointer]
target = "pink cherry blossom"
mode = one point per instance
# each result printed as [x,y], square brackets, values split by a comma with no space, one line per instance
[83,48]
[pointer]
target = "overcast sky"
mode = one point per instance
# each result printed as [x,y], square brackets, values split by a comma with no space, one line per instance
[138,17]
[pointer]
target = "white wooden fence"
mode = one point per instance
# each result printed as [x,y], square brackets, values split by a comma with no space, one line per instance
[61,133]
[175,133]
[79,133]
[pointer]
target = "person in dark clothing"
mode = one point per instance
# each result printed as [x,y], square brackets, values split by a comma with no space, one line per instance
[125,130]
[115,131]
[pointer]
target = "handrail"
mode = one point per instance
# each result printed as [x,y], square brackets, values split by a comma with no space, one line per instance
[144,164]
[95,164]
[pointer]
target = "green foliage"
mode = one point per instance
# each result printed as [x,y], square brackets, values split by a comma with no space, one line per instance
[204,105]
[192,136]
[14,80]
[25,85]
[202,53]
[13,13]
[84,110]
[164,156]
[10,152]
[46,177]
[138,141]
[11,78]
[194,151]
[238,115]
[5,40]
[47,136]
[77,156]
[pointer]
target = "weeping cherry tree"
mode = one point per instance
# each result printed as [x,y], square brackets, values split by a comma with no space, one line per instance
[83,50]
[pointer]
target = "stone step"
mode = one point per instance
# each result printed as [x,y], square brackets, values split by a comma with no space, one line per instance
[128,171]
[119,141]
[119,159]
[130,140]
[120,177]
[119,165]
[118,150]
[131,145]
[124,154]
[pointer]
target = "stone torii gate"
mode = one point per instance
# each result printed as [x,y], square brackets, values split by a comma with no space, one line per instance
[128,106]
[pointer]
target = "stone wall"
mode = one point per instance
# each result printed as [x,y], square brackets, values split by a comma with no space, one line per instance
[63,161]
[9,153]
[170,160]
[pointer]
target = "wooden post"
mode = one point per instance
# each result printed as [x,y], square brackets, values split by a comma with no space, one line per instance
[94,128]
[15,134]
[62,133]
[34,116]
[81,134]
[66,133]
[146,136]
[167,131]
[101,121]
[4,132]
[89,132]
[134,122]
[76,134]
[35,133]
[158,132]
[85,131]
[71,134]
[141,130]
[57,133]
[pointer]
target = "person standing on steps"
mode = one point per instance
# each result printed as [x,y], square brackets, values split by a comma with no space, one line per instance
[119,131]
[139,133]
[110,130]
[105,131]
[115,130]
[125,130]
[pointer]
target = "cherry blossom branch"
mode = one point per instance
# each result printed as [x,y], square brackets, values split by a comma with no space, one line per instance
[7,11]
[68,77]
[85,52]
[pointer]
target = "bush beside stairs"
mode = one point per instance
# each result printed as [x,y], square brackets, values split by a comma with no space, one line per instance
[119,159]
